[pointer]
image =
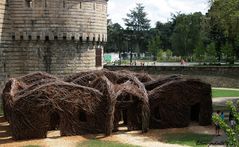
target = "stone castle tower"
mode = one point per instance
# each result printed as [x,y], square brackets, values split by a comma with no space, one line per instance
[56,36]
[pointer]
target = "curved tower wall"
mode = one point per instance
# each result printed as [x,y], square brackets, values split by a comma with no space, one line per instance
[2,13]
[56,36]
[2,18]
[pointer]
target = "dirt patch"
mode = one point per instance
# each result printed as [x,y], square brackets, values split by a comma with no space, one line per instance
[152,138]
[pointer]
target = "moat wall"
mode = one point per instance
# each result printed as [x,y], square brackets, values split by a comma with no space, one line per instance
[218,76]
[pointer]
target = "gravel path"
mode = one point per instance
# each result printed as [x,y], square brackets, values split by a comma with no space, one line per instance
[234,89]
[222,101]
[150,139]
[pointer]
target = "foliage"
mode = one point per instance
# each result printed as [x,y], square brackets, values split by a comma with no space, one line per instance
[211,53]
[232,133]
[165,55]
[224,93]
[115,37]
[98,143]
[228,53]
[138,26]
[137,19]
[199,51]
[169,54]
[164,30]
[224,22]
[154,45]
[190,139]
[160,55]
[207,38]
[186,34]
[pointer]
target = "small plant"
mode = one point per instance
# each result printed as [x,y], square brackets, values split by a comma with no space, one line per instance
[232,133]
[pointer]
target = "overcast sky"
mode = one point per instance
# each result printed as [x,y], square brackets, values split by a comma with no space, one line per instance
[158,10]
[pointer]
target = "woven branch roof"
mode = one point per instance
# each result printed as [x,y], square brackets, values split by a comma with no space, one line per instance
[90,102]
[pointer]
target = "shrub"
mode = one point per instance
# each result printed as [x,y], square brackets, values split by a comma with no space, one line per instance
[232,133]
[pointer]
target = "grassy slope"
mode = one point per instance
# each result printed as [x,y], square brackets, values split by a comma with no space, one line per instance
[224,93]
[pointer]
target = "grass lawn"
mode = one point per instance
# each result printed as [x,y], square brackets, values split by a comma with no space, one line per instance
[190,139]
[99,143]
[224,93]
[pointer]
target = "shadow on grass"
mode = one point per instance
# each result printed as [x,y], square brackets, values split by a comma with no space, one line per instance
[190,139]
[99,143]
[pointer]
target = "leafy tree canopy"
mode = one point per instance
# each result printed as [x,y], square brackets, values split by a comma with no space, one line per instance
[137,19]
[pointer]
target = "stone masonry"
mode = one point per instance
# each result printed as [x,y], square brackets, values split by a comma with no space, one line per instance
[56,36]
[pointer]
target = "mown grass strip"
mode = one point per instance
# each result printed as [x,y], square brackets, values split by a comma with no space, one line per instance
[224,93]
[99,143]
[190,139]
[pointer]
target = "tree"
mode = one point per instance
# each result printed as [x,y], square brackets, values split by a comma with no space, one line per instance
[232,133]
[186,33]
[138,26]
[154,46]
[168,53]
[160,55]
[164,30]
[137,19]
[199,51]
[228,53]
[224,22]
[115,41]
[180,36]
[211,53]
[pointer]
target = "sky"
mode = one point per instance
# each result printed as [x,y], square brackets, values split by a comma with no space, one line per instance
[157,10]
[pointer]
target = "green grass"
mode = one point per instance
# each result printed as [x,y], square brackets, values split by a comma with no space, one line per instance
[190,139]
[224,93]
[99,143]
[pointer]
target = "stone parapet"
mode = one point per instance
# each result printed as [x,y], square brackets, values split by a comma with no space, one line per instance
[58,19]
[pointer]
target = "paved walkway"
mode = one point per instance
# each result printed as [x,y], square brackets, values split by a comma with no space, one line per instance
[218,141]
[221,101]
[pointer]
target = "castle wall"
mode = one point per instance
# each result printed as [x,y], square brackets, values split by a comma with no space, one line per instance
[56,36]
[2,17]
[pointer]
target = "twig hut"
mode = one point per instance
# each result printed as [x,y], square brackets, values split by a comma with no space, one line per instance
[132,102]
[32,111]
[130,97]
[142,77]
[95,102]
[177,103]
[16,85]
[108,102]
[8,95]
[150,85]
